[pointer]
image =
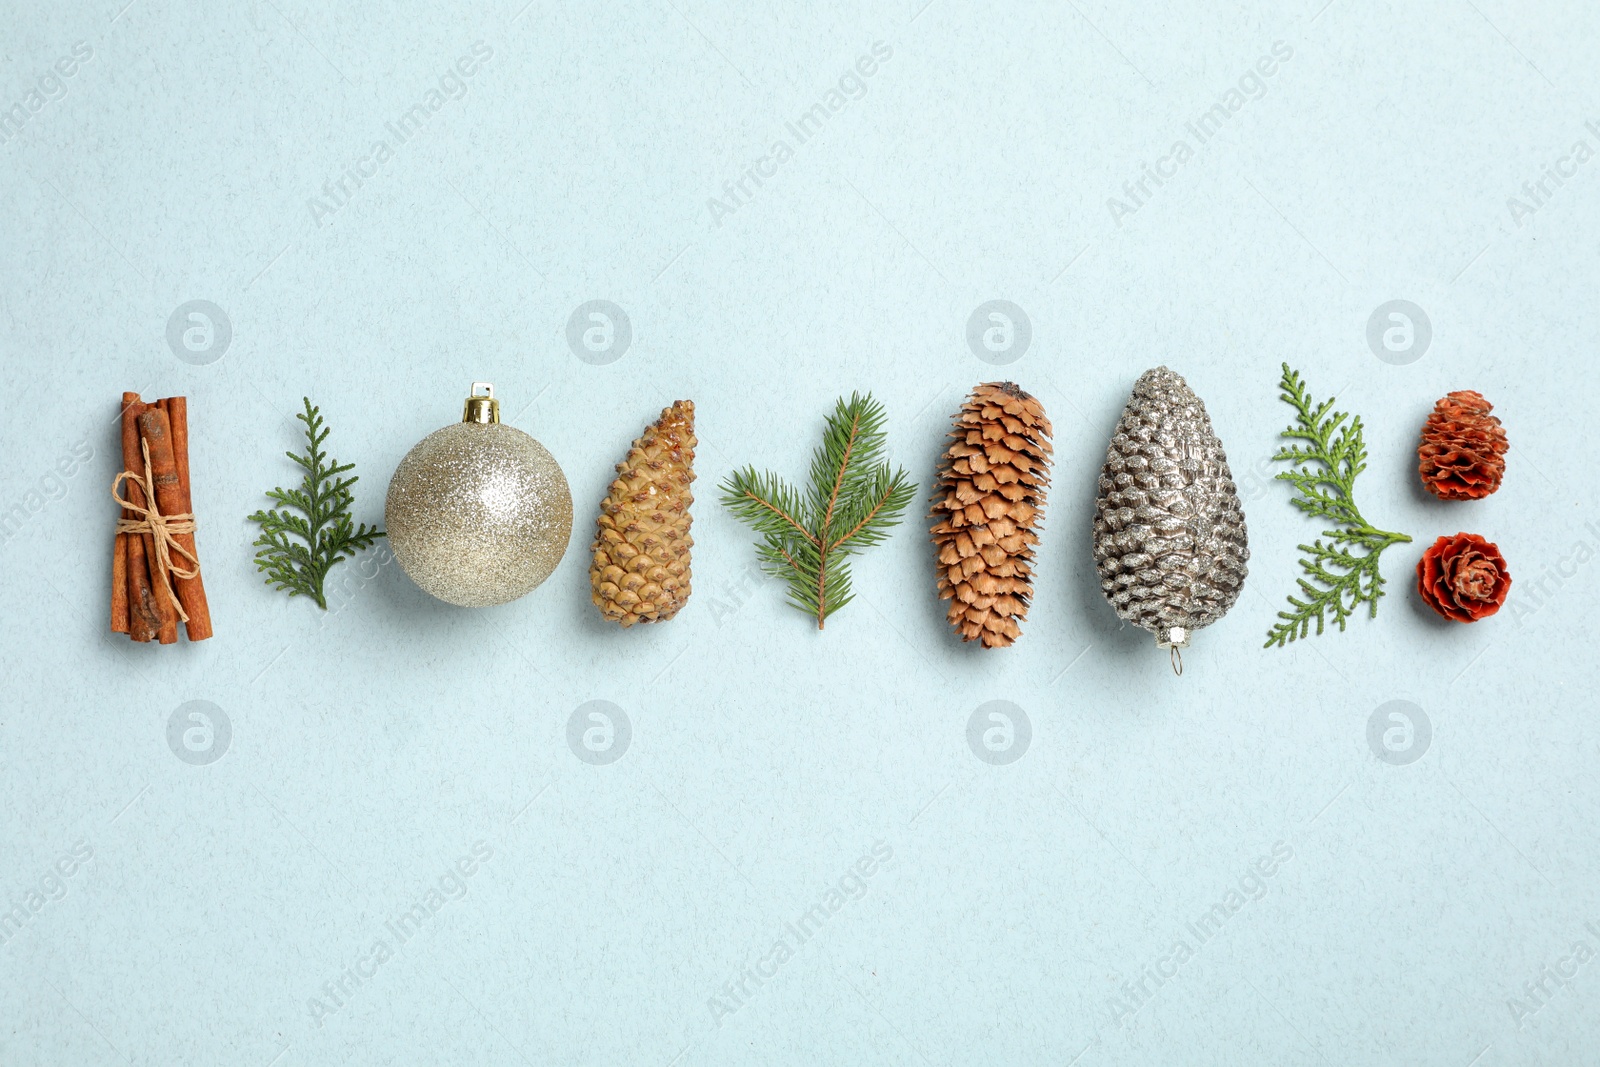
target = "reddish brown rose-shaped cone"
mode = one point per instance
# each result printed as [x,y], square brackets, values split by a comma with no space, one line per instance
[1461,456]
[1463,578]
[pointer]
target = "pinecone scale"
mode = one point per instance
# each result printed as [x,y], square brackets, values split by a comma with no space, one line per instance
[640,571]
[988,501]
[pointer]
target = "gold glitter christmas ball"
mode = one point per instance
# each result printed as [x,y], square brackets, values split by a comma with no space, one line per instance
[478,513]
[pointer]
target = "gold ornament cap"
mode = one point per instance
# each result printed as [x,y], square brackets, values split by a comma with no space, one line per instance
[483,409]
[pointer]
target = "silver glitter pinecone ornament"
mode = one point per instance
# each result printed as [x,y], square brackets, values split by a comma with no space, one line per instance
[478,513]
[1169,535]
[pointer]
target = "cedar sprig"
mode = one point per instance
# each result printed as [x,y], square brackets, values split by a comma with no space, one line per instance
[1341,572]
[853,501]
[324,523]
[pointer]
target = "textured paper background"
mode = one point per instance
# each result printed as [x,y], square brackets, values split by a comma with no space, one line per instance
[1421,912]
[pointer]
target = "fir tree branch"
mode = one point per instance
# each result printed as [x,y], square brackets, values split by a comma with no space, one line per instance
[324,523]
[1342,574]
[766,502]
[831,463]
[861,528]
[852,502]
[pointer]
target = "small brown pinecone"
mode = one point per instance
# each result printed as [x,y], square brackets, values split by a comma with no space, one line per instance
[987,503]
[1461,456]
[641,547]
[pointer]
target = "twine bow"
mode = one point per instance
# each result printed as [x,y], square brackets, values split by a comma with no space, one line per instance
[162,529]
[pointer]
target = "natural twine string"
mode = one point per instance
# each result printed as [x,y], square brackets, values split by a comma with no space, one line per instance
[161,528]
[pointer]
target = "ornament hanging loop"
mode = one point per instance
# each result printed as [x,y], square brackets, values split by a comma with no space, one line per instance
[1175,639]
[483,409]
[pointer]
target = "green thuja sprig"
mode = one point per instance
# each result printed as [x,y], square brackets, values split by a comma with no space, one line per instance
[1341,571]
[324,524]
[853,501]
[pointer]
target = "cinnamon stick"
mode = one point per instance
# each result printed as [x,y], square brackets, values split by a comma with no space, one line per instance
[156,430]
[177,409]
[191,591]
[144,617]
[160,581]
[119,553]
[160,586]
[119,584]
[119,565]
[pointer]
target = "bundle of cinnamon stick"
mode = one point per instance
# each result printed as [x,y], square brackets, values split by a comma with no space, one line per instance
[155,574]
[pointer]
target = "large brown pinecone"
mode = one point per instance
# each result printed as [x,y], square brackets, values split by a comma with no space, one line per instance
[641,547]
[1461,456]
[987,501]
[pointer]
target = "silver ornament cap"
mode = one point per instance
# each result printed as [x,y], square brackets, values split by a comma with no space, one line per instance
[1169,536]
[478,513]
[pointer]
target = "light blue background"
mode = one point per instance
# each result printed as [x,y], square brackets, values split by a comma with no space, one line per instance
[373,747]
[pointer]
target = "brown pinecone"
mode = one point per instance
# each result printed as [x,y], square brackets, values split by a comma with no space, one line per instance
[988,498]
[1462,449]
[641,547]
